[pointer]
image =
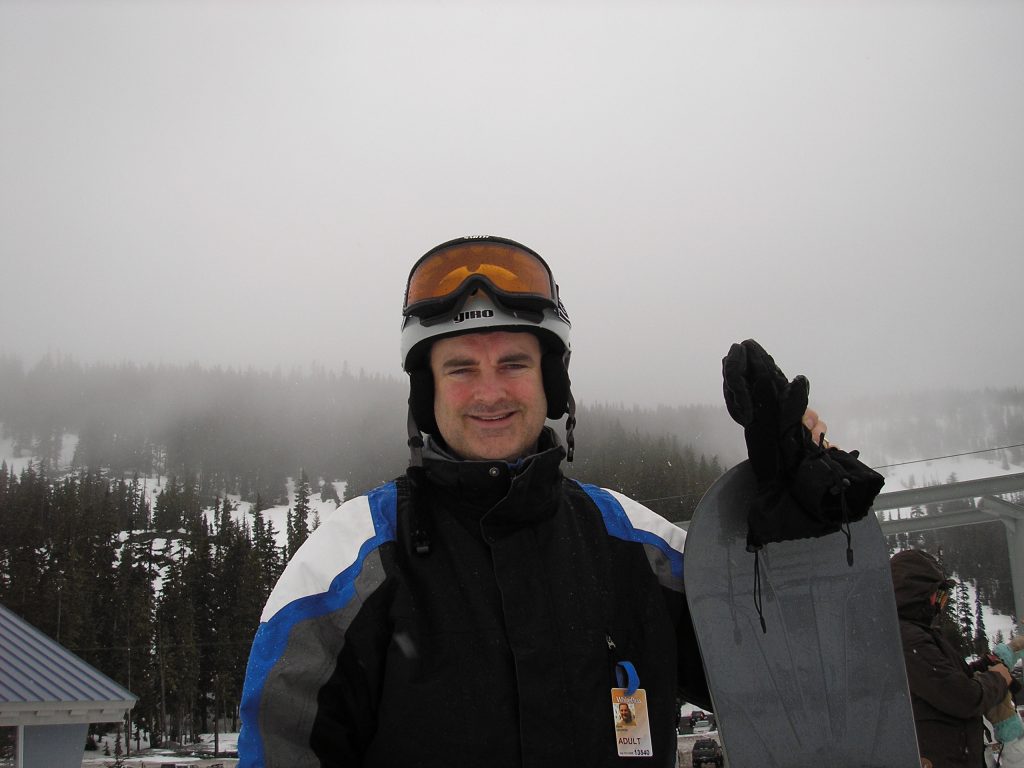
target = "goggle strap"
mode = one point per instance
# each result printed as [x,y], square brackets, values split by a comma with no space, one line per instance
[531,306]
[447,315]
[502,302]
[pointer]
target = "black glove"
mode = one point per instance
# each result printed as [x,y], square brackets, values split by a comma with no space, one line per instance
[986,662]
[769,407]
[803,489]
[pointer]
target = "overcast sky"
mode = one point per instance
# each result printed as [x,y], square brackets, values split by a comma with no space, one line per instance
[248,182]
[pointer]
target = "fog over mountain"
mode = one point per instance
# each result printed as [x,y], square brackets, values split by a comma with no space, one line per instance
[246,431]
[243,184]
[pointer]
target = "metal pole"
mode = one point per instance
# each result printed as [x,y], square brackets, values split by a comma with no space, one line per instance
[1015,547]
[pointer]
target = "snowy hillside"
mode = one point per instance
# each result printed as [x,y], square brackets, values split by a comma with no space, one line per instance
[937,471]
[278,515]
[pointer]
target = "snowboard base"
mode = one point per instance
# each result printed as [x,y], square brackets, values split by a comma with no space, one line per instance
[825,685]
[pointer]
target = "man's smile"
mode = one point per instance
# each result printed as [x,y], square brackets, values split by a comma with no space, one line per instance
[492,418]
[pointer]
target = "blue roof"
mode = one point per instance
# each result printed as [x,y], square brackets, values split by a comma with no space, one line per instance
[41,681]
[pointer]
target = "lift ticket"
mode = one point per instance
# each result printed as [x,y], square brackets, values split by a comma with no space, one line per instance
[632,728]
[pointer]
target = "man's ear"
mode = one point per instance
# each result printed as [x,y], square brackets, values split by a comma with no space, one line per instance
[421,400]
[556,384]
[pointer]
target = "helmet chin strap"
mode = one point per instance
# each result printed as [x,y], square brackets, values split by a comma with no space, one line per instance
[419,540]
[415,441]
[570,425]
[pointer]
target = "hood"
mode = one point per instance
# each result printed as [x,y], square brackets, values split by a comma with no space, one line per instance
[916,575]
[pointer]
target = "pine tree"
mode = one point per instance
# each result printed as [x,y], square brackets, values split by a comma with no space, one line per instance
[224,523]
[136,629]
[965,618]
[329,493]
[167,515]
[298,530]
[267,552]
[237,606]
[980,644]
[119,760]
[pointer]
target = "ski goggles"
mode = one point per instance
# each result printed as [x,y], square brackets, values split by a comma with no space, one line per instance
[940,597]
[514,275]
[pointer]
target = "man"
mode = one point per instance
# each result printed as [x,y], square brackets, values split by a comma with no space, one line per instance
[625,715]
[483,577]
[949,697]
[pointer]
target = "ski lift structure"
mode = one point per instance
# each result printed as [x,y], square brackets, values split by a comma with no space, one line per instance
[987,507]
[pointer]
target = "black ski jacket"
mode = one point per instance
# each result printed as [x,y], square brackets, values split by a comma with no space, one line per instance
[948,697]
[497,648]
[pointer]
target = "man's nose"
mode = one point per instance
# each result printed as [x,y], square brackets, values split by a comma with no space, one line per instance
[490,388]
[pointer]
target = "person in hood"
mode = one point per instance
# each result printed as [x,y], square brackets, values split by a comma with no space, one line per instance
[482,578]
[948,695]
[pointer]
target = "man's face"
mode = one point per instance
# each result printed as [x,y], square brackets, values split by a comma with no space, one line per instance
[489,394]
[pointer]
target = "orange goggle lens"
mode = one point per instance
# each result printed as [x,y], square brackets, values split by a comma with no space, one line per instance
[441,274]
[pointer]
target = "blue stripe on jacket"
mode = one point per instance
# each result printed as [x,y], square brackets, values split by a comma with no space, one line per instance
[619,525]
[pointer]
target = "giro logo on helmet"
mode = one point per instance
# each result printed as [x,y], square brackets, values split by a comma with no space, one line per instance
[474,314]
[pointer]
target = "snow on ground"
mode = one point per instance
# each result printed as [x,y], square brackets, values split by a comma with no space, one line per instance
[194,756]
[278,515]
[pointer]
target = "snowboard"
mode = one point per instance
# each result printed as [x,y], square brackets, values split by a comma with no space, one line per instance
[825,685]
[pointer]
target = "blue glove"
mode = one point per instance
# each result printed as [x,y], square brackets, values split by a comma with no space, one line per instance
[1008,657]
[1010,729]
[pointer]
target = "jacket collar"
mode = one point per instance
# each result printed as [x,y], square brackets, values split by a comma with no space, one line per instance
[497,493]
